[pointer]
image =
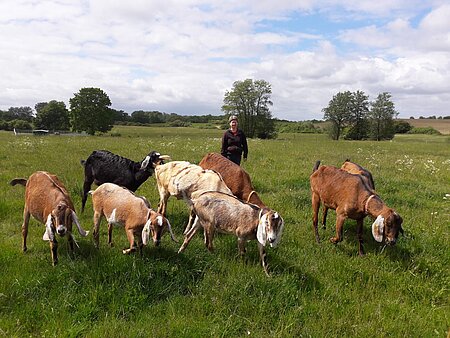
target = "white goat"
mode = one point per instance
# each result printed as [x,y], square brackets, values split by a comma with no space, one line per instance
[181,179]
[121,206]
[225,213]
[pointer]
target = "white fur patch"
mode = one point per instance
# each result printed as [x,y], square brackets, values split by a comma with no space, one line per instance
[378,228]
[146,232]
[160,220]
[112,217]
[48,234]
[261,231]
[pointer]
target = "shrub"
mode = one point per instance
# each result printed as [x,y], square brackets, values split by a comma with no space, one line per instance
[424,130]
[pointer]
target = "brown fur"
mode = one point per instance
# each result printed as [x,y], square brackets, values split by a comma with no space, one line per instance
[354,169]
[236,178]
[131,211]
[216,211]
[46,195]
[349,195]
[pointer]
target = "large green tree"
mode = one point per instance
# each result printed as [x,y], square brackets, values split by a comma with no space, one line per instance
[90,111]
[358,116]
[52,115]
[381,118]
[339,112]
[250,101]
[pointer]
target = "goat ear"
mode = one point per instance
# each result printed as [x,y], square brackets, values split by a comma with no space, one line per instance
[145,162]
[378,228]
[77,222]
[146,232]
[48,234]
[261,231]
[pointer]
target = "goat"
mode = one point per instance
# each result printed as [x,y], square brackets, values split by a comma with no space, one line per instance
[181,179]
[236,178]
[47,200]
[121,206]
[103,166]
[354,169]
[222,212]
[352,198]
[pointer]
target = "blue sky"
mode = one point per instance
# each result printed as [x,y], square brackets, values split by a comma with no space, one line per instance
[181,56]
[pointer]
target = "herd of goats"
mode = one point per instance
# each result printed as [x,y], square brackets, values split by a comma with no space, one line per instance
[219,193]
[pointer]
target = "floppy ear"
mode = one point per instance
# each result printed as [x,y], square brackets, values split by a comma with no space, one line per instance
[77,222]
[378,228]
[261,231]
[146,232]
[48,234]
[145,162]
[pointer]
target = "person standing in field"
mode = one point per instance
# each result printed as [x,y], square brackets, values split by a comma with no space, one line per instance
[234,142]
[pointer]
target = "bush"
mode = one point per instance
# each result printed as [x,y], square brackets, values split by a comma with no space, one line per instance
[424,130]
[401,127]
[179,123]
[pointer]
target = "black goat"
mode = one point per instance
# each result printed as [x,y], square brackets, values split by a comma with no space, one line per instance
[103,166]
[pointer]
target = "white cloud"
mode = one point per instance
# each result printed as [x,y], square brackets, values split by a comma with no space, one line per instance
[183,56]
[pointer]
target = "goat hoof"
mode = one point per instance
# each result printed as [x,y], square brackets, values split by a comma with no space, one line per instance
[334,240]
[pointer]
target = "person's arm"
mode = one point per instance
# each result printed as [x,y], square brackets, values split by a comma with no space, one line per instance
[244,146]
[223,150]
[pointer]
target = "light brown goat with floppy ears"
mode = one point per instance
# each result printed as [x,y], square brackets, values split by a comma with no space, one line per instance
[351,197]
[47,200]
[355,169]
[122,207]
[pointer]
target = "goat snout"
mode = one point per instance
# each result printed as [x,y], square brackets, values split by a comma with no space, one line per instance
[61,230]
[391,241]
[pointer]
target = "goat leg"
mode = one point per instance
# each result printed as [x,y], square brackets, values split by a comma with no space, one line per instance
[263,257]
[54,251]
[359,231]
[315,207]
[339,229]
[26,220]
[110,229]
[130,236]
[324,217]
[190,234]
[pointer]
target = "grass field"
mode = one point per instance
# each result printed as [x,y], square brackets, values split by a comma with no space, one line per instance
[315,290]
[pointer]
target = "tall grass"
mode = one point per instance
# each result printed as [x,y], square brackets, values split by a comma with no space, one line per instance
[317,290]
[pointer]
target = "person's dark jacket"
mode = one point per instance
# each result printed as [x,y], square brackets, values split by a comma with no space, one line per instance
[234,144]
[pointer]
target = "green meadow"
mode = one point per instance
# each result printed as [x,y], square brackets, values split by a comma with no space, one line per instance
[315,290]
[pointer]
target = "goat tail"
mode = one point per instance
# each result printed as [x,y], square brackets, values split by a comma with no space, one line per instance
[316,166]
[83,162]
[21,181]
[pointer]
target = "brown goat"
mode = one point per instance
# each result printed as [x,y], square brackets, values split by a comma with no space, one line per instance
[350,196]
[354,169]
[47,200]
[236,178]
[121,206]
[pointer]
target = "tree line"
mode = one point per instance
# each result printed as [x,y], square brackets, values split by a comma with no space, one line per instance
[350,114]
[90,111]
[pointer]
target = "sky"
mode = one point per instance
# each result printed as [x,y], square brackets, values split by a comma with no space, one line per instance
[181,56]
